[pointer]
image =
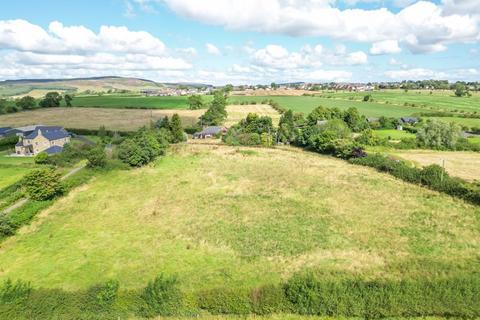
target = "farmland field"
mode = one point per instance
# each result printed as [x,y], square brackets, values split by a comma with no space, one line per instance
[240,217]
[307,104]
[438,100]
[393,134]
[465,165]
[134,101]
[120,119]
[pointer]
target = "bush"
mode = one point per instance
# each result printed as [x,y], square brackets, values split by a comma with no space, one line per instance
[13,292]
[270,299]
[162,297]
[6,228]
[225,301]
[8,142]
[41,158]
[107,293]
[43,184]
[312,295]
[97,158]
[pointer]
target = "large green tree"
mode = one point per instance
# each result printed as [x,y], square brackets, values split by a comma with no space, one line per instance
[26,103]
[68,100]
[217,113]
[42,184]
[195,102]
[51,99]
[439,135]
[176,129]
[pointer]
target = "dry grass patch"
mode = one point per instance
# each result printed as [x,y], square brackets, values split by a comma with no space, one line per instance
[93,118]
[122,119]
[239,112]
[465,165]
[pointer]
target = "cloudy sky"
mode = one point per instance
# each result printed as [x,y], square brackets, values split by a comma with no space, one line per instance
[241,41]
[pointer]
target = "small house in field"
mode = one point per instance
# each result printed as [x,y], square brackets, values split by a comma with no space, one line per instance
[210,132]
[409,120]
[41,139]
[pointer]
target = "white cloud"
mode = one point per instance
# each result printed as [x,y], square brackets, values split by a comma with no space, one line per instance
[23,36]
[64,51]
[423,26]
[416,74]
[278,57]
[385,47]
[394,62]
[470,74]
[461,7]
[212,49]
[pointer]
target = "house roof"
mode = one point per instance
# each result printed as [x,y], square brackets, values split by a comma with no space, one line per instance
[4,130]
[29,128]
[53,150]
[409,119]
[211,130]
[51,133]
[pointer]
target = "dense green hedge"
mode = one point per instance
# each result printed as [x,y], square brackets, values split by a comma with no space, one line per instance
[94,132]
[305,294]
[7,143]
[433,176]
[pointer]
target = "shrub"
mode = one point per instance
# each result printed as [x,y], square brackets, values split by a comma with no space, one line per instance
[107,293]
[8,142]
[41,158]
[269,299]
[13,292]
[225,301]
[42,184]
[97,158]
[6,228]
[162,297]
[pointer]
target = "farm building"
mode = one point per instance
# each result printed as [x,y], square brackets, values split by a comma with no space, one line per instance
[5,131]
[409,120]
[41,139]
[209,132]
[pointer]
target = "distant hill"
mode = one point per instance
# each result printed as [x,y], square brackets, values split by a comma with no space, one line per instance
[39,87]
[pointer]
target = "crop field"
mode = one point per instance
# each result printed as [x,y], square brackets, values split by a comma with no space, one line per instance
[121,119]
[437,101]
[459,164]
[306,104]
[242,217]
[132,101]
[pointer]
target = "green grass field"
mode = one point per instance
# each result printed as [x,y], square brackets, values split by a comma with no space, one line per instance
[131,101]
[393,134]
[221,216]
[437,101]
[307,104]
[13,169]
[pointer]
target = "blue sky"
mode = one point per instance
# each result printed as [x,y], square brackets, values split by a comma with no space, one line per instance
[246,41]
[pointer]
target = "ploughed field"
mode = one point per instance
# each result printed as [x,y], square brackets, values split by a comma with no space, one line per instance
[243,217]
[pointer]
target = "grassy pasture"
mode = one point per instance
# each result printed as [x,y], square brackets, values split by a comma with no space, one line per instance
[393,134]
[306,104]
[465,165]
[13,169]
[437,101]
[217,215]
[121,119]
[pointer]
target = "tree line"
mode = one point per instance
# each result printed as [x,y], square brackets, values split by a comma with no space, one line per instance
[50,100]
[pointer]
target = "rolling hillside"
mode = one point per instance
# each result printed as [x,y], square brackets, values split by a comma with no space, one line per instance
[38,87]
